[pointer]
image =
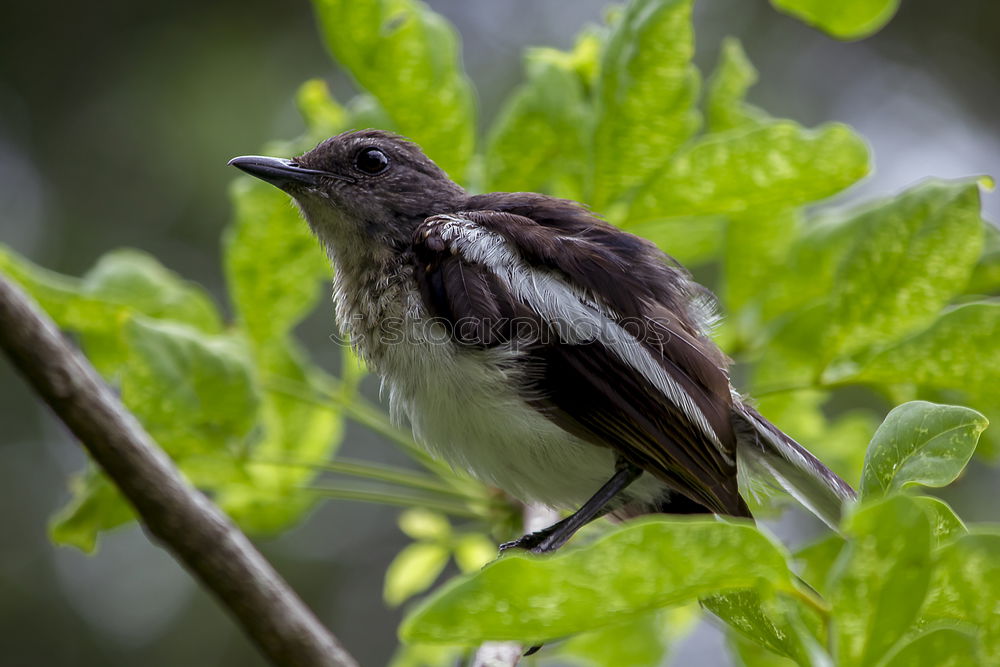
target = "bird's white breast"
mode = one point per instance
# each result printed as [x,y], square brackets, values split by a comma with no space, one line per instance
[464,407]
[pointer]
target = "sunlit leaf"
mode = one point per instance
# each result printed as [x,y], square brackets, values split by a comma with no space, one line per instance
[691,241]
[427,655]
[750,654]
[474,550]
[945,524]
[640,567]
[767,622]
[985,277]
[944,647]
[757,243]
[423,524]
[646,96]
[643,642]
[137,280]
[920,443]
[844,19]
[413,570]
[880,578]
[538,142]
[269,497]
[727,87]
[909,257]
[777,165]
[965,588]
[408,58]
[815,561]
[817,249]
[193,393]
[59,295]
[96,506]
[323,115]
[268,232]
[960,350]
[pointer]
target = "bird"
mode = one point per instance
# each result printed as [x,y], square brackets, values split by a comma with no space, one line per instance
[536,346]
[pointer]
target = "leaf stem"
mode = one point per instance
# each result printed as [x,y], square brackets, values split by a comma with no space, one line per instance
[361,411]
[380,473]
[811,600]
[386,498]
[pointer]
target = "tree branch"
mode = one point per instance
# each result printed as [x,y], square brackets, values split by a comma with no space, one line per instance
[178,516]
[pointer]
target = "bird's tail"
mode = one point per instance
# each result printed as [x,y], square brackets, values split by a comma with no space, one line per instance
[763,451]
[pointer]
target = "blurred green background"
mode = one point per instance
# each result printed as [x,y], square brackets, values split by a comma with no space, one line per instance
[115,127]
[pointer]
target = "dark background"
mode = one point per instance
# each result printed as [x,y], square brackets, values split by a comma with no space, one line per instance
[116,122]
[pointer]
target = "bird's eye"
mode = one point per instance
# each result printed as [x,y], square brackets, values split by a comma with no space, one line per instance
[371,161]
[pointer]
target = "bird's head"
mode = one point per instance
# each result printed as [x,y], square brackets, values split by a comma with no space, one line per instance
[362,190]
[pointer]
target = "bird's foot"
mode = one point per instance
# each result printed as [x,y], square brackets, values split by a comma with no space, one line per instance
[530,542]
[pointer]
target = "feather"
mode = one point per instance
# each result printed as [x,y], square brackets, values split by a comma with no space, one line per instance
[766,453]
[618,368]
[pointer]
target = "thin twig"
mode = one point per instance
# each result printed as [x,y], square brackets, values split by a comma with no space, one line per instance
[175,514]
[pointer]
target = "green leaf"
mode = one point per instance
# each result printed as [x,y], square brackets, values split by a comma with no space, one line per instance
[945,524]
[60,296]
[880,578]
[194,393]
[538,141]
[268,232]
[646,96]
[768,622]
[985,277]
[750,654]
[817,249]
[423,524]
[843,19]
[911,255]
[323,115]
[815,561]
[959,350]
[408,58]
[427,655]
[137,280]
[779,165]
[95,506]
[965,589]
[644,565]
[690,241]
[944,647]
[473,551]
[98,322]
[920,443]
[756,247]
[413,570]
[270,497]
[727,87]
[642,642]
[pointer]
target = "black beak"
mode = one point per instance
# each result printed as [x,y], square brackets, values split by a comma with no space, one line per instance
[280,172]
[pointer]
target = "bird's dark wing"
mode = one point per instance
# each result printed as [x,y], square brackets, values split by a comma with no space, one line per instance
[606,338]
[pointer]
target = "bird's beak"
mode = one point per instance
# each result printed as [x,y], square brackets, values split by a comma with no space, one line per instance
[280,172]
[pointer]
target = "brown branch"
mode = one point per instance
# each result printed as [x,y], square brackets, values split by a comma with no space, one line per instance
[179,517]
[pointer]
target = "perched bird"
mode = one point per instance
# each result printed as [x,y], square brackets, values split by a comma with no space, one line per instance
[534,345]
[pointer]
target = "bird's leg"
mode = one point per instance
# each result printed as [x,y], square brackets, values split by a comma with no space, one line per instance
[556,535]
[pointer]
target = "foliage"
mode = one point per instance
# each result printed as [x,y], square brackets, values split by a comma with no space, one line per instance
[895,296]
